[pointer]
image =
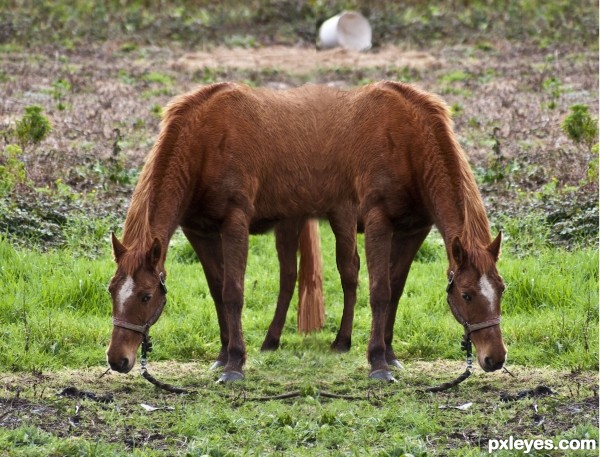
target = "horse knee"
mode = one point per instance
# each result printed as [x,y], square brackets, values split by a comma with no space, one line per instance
[349,281]
[233,293]
[380,293]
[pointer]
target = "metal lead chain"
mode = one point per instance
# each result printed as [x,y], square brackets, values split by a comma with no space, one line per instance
[146,348]
[467,346]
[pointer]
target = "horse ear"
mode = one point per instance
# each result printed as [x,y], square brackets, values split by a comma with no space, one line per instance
[494,247]
[458,252]
[155,253]
[118,248]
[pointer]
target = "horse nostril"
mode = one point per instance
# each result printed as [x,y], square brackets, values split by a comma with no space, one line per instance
[121,366]
[492,365]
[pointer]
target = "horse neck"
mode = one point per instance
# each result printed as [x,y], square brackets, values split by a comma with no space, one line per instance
[458,208]
[158,201]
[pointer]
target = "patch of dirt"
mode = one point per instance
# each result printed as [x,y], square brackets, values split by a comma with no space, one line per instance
[508,106]
[305,60]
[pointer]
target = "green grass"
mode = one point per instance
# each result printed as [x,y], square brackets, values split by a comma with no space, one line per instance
[55,320]
[56,312]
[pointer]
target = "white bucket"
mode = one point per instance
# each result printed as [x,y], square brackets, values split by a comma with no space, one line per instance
[349,29]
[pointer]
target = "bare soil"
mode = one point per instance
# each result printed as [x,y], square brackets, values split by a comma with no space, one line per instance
[499,97]
[300,60]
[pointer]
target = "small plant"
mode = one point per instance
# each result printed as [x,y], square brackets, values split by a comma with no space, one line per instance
[33,127]
[553,87]
[580,126]
[60,88]
[456,109]
[156,110]
[592,174]
[12,169]
[158,78]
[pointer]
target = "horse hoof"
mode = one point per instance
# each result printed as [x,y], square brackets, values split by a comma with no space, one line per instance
[340,346]
[382,375]
[230,376]
[396,364]
[217,365]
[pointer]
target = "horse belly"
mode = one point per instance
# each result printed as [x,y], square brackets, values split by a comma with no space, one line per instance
[296,198]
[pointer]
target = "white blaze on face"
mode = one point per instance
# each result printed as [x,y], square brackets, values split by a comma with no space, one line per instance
[486,289]
[125,292]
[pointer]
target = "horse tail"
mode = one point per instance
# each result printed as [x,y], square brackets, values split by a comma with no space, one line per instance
[311,310]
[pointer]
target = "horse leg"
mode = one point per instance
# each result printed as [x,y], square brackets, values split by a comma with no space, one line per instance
[234,239]
[378,240]
[209,251]
[404,249]
[286,241]
[348,263]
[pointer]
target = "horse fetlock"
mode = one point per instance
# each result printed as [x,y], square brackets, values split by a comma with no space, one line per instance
[395,363]
[217,365]
[270,344]
[341,344]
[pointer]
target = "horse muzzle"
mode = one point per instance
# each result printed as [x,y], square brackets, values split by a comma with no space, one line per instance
[121,353]
[491,350]
[121,365]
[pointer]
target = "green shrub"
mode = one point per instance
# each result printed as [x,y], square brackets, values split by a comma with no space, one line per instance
[33,127]
[580,126]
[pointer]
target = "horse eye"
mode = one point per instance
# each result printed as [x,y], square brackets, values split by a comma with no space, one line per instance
[146,298]
[466,297]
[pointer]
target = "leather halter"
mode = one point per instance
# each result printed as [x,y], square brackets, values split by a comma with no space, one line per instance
[145,328]
[469,328]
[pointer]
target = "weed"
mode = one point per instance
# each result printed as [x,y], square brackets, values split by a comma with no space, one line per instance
[456,109]
[12,169]
[60,88]
[158,78]
[240,41]
[454,77]
[156,110]
[33,127]
[592,174]
[554,88]
[128,47]
[580,126]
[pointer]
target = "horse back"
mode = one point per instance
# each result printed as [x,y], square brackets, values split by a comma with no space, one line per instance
[302,151]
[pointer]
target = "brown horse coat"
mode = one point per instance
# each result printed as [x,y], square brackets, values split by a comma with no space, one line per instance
[232,160]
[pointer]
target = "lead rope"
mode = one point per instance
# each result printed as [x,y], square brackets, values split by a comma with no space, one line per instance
[465,345]
[146,348]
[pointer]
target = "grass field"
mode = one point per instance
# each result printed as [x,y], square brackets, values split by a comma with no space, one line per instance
[83,84]
[56,310]
[56,325]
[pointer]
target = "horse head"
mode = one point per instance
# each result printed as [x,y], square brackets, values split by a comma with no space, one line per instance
[474,292]
[139,295]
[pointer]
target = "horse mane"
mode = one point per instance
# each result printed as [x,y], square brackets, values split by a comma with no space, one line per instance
[475,233]
[139,233]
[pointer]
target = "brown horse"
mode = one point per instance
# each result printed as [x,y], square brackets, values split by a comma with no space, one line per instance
[230,160]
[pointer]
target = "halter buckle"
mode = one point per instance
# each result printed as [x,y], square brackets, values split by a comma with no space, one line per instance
[161,279]
[450,281]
